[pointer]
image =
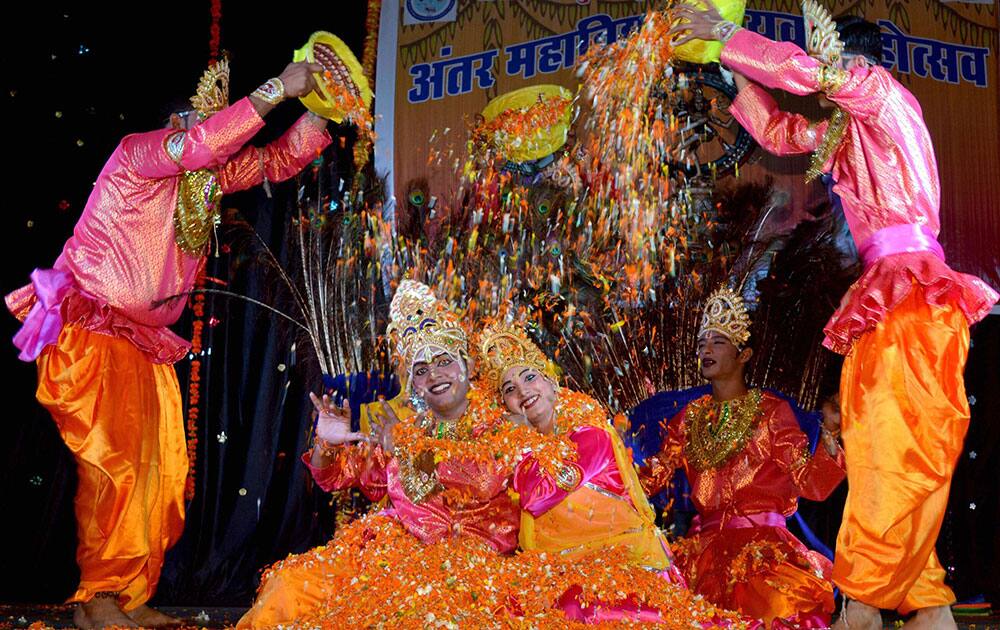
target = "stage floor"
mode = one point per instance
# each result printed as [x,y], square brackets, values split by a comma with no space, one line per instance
[23,616]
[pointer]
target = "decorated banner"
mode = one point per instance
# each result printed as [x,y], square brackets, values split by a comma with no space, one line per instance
[436,73]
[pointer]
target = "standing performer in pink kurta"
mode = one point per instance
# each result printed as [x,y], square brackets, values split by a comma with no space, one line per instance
[904,325]
[101,343]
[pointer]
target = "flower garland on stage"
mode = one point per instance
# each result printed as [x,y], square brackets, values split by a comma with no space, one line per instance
[198,313]
[380,575]
[215,31]
[370,52]
[194,384]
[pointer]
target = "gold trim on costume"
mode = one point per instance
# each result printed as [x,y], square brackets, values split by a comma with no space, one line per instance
[174,146]
[835,131]
[822,40]
[419,326]
[197,210]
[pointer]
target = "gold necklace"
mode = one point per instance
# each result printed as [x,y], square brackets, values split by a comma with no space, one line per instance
[831,140]
[197,210]
[717,430]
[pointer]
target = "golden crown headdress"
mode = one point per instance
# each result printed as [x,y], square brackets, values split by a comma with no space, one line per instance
[213,89]
[822,40]
[420,327]
[502,347]
[726,313]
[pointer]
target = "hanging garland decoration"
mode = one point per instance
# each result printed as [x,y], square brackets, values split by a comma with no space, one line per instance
[370,51]
[198,312]
[215,33]
[363,145]
[194,384]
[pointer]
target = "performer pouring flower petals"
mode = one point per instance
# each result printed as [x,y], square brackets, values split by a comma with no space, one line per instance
[96,324]
[903,326]
[748,463]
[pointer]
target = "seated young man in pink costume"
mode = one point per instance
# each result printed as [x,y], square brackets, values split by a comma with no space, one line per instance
[904,325]
[430,501]
[748,463]
[95,327]
[442,553]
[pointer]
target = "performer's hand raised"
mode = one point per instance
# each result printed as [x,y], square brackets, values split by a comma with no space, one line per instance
[298,78]
[697,23]
[382,419]
[334,423]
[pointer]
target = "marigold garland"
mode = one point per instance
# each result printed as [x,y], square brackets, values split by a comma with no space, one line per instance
[573,410]
[489,438]
[194,384]
[369,53]
[355,112]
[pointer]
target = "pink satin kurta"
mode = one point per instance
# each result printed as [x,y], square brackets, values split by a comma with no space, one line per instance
[122,257]
[885,174]
[486,510]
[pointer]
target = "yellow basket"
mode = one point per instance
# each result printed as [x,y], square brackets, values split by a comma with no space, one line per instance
[541,142]
[701,51]
[320,102]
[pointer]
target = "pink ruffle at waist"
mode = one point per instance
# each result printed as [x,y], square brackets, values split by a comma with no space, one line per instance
[53,300]
[888,280]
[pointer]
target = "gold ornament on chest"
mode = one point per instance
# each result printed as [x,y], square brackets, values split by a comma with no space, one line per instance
[197,211]
[718,430]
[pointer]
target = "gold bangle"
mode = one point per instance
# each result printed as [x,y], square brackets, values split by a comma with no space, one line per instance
[272,92]
[724,31]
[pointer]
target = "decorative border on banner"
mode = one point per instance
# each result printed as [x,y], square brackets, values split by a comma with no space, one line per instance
[198,311]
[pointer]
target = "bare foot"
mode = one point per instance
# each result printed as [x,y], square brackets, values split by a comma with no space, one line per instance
[857,615]
[151,618]
[100,612]
[933,618]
